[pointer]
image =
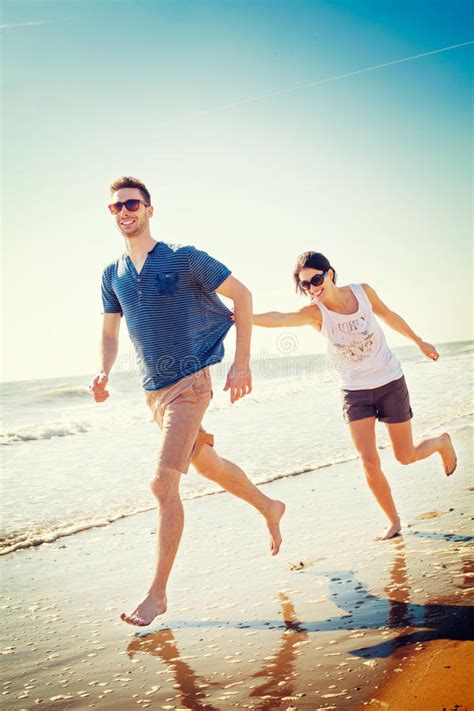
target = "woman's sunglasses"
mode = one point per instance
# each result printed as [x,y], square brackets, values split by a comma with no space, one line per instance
[131,205]
[317,280]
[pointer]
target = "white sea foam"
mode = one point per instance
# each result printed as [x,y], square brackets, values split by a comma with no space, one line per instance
[48,431]
[73,465]
[48,533]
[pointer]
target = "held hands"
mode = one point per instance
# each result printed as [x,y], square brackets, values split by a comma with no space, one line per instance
[98,388]
[239,382]
[428,350]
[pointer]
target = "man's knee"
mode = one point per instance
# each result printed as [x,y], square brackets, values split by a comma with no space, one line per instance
[165,484]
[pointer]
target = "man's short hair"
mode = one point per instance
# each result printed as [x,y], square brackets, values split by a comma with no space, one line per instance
[126,181]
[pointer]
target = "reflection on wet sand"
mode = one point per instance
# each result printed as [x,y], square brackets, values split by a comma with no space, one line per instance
[400,615]
[416,622]
[398,588]
[278,681]
[280,671]
[435,536]
[162,644]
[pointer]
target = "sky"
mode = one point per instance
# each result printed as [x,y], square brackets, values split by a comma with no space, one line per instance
[258,138]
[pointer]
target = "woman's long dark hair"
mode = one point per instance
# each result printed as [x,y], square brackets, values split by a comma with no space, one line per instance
[311,260]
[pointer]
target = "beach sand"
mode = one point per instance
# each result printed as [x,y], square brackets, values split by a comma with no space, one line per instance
[438,676]
[336,621]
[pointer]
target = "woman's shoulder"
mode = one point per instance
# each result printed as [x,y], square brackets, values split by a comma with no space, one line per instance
[368,292]
[347,291]
[313,313]
[360,288]
[347,288]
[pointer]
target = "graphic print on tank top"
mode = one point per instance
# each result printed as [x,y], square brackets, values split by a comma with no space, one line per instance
[349,347]
[357,348]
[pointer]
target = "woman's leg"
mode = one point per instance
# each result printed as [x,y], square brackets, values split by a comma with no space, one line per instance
[406,452]
[363,437]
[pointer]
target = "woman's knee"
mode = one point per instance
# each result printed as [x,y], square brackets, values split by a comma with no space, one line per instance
[370,462]
[404,456]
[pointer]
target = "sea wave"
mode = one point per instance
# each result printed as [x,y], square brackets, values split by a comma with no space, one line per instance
[51,531]
[18,540]
[129,411]
[68,428]
[63,392]
[35,537]
[468,348]
[44,431]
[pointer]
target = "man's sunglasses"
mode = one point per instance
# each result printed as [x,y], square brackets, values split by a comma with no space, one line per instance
[131,205]
[317,280]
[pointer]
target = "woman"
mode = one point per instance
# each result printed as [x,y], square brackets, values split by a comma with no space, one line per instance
[373,385]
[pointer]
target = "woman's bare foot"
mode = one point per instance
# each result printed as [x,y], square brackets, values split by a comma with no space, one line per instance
[392,531]
[448,455]
[146,611]
[273,518]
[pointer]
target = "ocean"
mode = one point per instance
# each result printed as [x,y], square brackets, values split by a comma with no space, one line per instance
[70,464]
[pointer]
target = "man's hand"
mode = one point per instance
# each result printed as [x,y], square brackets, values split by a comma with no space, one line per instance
[98,388]
[428,350]
[239,382]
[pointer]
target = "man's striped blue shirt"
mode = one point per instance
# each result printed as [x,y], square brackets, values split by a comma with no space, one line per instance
[175,319]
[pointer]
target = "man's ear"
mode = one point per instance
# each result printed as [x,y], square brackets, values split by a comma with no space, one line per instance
[150,210]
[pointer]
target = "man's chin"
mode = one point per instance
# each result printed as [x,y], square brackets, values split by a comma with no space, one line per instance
[130,234]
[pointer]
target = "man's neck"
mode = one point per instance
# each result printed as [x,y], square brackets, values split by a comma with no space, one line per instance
[138,247]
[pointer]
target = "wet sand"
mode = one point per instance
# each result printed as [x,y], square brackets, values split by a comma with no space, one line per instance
[336,621]
[437,676]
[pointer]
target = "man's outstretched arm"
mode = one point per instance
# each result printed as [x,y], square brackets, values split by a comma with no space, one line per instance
[108,354]
[239,378]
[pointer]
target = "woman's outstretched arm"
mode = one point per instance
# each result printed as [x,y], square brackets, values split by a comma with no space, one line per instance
[307,316]
[398,324]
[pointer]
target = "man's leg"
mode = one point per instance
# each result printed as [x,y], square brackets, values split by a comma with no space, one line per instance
[178,411]
[228,475]
[165,486]
[363,437]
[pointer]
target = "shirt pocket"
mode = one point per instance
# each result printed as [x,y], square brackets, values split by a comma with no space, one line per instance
[167,283]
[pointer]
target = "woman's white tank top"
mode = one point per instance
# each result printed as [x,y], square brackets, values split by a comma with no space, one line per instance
[357,348]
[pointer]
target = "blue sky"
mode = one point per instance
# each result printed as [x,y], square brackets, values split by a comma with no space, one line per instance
[374,170]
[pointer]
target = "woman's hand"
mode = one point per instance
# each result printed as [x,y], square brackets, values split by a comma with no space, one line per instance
[428,350]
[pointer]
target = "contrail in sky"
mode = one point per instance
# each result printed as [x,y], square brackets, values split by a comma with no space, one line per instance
[29,24]
[337,77]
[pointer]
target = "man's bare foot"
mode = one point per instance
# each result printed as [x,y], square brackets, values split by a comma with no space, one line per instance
[448,455]
[273,518]
[392,531]
[146,611]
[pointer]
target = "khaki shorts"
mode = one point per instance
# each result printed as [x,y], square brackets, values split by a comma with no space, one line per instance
[178,411]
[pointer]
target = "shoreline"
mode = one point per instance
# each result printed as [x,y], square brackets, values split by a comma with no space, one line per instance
[323,625]
[66,530]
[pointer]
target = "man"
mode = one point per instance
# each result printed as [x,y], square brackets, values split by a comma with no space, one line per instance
[177,324]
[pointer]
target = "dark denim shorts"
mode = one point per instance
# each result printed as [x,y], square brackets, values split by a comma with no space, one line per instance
[388,403]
